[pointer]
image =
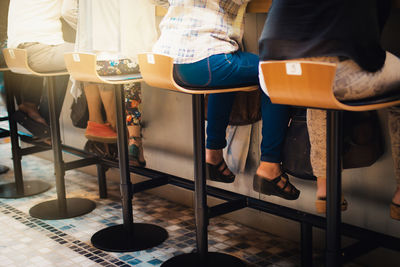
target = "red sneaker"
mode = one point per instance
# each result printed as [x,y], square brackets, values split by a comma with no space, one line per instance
[100,132]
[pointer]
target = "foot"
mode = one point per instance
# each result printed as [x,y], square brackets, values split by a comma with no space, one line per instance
[100,132]
[396,196]
[32,111]
[270,171]
[215,157]
[136,155]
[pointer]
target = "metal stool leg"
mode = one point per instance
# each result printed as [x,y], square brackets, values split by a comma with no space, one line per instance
[306,244]
[202,257]
[19,188]
[101,179]
[128,236]
[60,208]
[334,188]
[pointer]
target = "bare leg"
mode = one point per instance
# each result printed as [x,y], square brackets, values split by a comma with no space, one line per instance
[215,156]
[108,98]
[94,103]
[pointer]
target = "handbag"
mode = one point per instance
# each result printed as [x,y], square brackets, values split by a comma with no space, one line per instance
[363,142]
[80,112]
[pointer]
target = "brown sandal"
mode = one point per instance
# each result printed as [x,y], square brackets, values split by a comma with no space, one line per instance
[320,205]
[395,211]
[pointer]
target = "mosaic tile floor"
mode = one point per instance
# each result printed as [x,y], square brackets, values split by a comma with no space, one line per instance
[28,241]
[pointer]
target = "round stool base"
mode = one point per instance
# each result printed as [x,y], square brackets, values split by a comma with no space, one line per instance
[214,259]
[30,188]
[49,210]
[117,239]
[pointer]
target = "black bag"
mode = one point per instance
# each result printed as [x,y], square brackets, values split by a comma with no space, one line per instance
[80,112]
[362,143]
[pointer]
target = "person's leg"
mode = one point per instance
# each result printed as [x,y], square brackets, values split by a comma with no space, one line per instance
[94,102]
[47,58]
[96,129]
[351,82]
[275,120]
[394,130]
[222,70]
[133,120]
[108,99]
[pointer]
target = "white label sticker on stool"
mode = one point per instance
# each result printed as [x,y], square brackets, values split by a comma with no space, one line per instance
[293,68]
[11,52]
[150,59]
[76,57]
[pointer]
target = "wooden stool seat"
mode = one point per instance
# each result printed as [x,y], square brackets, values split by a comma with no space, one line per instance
[128,236]
[157,71]
[4,69]
[62,207]
[82,67]
[17,61]
[310,84]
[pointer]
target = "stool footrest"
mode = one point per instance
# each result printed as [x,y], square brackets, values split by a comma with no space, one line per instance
[80,163]
[227,207]
[149,184]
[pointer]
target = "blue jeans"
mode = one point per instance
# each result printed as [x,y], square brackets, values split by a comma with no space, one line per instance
[233,70]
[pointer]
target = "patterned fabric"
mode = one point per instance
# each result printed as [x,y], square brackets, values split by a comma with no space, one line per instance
[195,29]
[116,67]
[133,98]
[351,82]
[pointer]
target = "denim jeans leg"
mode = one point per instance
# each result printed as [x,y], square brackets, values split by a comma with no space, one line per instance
[218,112]
[221,70]
[275,120]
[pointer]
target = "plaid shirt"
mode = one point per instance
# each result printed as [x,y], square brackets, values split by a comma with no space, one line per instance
[196,29]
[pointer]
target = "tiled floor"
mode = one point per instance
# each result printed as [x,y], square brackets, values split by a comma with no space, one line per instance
[26,241]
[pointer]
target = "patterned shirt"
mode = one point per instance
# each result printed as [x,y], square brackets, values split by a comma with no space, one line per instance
[196,29]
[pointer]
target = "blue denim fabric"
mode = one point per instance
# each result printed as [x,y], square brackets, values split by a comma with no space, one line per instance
[226,71]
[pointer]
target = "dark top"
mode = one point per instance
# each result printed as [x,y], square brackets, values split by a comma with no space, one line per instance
[312,28]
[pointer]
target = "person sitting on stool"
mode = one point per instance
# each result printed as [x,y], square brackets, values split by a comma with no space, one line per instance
[204,39]
[330,31]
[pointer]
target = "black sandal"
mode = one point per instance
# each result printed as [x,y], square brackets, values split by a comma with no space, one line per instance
[37,129]
[267,187]
[215,174]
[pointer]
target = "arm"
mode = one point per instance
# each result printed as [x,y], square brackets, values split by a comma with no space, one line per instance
[69,12]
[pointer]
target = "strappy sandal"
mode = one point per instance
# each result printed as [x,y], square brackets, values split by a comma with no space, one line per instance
[215,174]
[271,187]
[395,211]
[320,205]
[135,151]
[37,129]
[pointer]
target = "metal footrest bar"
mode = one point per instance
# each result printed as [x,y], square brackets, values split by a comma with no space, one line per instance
[226,207]
[4,133]
[149,184]
[33,150]
[80,163]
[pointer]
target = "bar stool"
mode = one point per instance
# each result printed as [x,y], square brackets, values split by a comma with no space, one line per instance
[128,236]
[157,71]
[19,188]
[309,84]
[62,207]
